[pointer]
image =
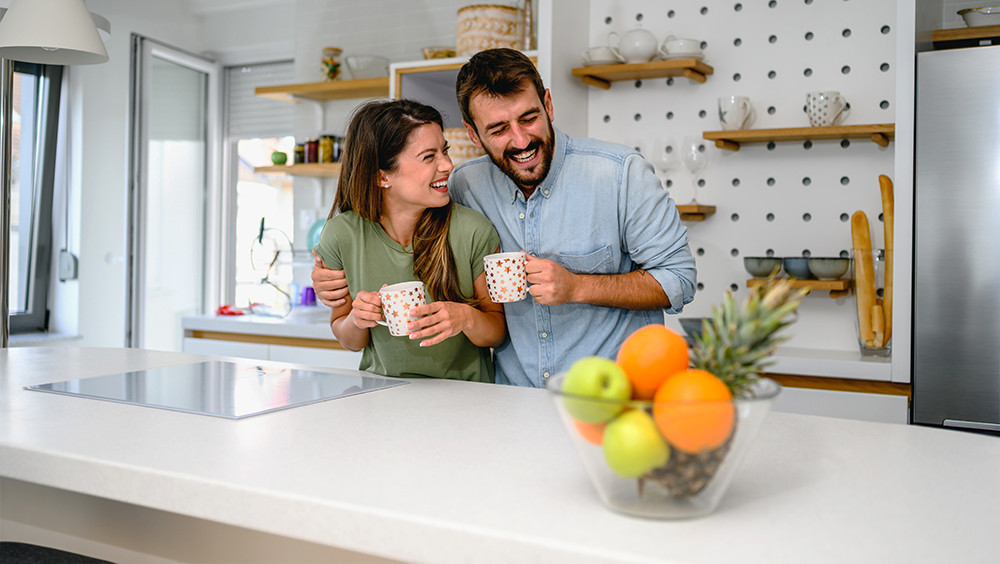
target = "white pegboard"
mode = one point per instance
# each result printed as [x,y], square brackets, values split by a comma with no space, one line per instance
[774,52]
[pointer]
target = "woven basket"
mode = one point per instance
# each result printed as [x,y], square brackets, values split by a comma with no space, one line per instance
[460,148]
[487,26]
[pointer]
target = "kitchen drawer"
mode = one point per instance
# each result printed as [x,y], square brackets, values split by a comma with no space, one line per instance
[883,408]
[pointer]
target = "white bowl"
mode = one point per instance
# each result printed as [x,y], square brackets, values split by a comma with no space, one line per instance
[367,66]
[976,17]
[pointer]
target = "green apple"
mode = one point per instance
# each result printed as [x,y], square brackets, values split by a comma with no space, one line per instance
[595,388]
[633,445]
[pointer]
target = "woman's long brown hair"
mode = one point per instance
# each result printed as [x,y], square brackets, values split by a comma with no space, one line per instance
[377,134]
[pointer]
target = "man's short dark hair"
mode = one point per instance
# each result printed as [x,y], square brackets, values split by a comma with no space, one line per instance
[496,72]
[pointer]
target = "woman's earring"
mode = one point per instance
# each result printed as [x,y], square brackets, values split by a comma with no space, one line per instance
[385,185]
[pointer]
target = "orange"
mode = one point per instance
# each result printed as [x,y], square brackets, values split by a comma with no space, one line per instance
[593,433]
[649,355]
[694,411]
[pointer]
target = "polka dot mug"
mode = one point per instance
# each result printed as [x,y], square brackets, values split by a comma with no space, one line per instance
[825,108]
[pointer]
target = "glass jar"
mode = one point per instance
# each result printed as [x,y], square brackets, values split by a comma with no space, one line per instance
[331,62]
[300,153]
[326,144]
[312,151]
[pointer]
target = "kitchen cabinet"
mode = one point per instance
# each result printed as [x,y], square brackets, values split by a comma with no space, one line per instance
[966,36]
[433,82]
[601,76]
[880,134]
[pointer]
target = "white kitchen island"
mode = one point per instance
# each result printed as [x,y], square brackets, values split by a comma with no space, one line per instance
[441,471]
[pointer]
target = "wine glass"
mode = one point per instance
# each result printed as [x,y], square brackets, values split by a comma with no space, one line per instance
[694,155]
[664,156]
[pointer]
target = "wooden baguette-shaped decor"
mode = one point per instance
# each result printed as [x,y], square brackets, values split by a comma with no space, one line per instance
[878,326]
[888,223]
[864,275]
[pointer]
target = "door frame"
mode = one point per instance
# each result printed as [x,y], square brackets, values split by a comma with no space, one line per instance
[143,49]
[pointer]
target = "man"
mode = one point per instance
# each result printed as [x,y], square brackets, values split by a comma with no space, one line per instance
[607,252]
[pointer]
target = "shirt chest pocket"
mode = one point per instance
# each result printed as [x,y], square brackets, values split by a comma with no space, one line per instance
[599,261]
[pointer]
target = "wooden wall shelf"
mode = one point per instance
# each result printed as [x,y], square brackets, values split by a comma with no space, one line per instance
[695,212]
[326,91]
[315,170]
[602,76]
[837,288]
[881,134]
[965,36]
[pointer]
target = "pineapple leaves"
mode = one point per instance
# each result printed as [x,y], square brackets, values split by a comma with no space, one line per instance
[738,339]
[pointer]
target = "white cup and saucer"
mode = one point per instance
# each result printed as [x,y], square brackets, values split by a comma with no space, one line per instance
[602,55]
[674,48]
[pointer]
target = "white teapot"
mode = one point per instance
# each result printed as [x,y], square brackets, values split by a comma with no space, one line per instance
[635,46]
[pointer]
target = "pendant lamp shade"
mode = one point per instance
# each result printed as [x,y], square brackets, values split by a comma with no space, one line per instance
[54,32]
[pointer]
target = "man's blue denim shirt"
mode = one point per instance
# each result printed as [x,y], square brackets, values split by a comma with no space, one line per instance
[600,210]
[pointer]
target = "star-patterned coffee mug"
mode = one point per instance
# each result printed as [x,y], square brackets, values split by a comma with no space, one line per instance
[505,277]
[397,301]
[825,108]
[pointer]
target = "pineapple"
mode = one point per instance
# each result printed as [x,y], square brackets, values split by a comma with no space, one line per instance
[734,345]
[736,342]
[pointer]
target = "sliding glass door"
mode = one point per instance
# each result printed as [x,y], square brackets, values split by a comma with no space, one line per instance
[174,193]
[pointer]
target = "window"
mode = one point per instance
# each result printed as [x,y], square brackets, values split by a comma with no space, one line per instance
[33,146]
[255,127]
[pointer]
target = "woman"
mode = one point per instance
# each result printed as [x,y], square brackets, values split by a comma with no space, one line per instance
[396,223]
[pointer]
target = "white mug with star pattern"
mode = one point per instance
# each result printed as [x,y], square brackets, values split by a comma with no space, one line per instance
[506,279]
[397,301]
[825,108]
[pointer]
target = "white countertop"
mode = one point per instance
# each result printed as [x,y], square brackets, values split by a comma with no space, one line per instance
[302,322]
[445,471]
[314,323]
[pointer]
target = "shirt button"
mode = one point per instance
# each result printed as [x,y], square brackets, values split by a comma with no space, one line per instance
[544,334]
[545,374]
[520,215]
[546,192]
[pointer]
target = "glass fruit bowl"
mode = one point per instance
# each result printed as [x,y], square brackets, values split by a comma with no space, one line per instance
[663,460]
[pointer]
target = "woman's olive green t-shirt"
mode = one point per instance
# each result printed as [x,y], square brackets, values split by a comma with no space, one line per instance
[370,259]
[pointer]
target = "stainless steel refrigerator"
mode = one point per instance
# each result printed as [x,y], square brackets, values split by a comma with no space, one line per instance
[956,285]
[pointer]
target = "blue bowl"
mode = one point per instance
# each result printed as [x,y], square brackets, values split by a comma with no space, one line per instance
[798,267]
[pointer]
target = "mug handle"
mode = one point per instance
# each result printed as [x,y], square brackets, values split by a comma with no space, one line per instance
[662,50]
[748,113]
[844,110]
[616,41]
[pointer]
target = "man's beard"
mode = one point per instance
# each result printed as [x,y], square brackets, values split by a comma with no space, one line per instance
[524,178]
